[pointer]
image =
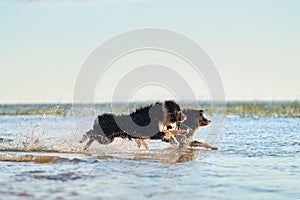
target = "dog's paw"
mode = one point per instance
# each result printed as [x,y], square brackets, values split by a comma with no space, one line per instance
[84,138]
[85,149]
[214,148]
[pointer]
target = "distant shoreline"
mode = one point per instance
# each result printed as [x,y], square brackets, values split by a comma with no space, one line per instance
[241,108]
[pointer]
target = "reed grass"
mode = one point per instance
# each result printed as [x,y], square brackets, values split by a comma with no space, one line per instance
[246,109]
[262,109]
[32,109]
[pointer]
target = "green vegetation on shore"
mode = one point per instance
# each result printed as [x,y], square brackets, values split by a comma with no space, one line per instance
[244,109]
[262,109]
[33,109]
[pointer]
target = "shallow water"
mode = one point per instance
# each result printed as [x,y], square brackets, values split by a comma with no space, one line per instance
[259,158]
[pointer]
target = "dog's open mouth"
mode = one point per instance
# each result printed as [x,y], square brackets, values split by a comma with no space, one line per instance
[205,123]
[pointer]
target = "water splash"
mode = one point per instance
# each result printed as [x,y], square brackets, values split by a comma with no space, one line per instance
[59,134]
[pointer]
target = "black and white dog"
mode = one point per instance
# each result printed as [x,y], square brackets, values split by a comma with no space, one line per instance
[152,122]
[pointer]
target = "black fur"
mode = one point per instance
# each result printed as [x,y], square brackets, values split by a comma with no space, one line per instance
[141,124]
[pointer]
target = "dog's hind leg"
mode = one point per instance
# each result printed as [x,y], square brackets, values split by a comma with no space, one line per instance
[138,142]
[141,142]
[88,144]
[86,136]
[145,145]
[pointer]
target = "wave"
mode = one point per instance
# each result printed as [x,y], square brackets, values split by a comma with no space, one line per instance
[30,158]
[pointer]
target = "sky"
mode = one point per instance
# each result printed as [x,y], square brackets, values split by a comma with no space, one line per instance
[254,45]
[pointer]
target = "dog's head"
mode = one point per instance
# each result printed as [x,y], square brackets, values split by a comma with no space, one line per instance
[195,120]
[173,111]
[202,120]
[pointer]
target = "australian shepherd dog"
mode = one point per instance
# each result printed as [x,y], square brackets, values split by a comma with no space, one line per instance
[158,121]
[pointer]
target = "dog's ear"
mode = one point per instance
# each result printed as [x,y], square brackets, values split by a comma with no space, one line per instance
[201,114]
[157,103]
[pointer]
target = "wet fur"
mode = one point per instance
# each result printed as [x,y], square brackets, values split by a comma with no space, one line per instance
[150,122]
[195,120]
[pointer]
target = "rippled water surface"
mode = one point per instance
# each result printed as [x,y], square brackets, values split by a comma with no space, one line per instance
[41,158]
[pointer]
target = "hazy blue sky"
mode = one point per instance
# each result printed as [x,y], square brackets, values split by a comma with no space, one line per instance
[254,44]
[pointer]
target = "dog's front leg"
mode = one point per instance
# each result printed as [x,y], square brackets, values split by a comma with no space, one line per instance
[177,132]
[196,143]
[173,140]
